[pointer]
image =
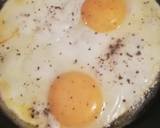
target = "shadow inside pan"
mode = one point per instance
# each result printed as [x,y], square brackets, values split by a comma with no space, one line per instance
[151,116]
[2,3]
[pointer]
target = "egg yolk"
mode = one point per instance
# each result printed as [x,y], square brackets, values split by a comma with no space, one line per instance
[75,99]
[103,15]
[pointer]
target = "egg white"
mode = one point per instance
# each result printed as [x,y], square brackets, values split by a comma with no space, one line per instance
[48,41]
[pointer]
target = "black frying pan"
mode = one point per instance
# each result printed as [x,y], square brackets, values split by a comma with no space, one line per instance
[149,118]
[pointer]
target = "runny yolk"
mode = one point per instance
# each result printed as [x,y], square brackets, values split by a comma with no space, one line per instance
[103,15]
[75,99]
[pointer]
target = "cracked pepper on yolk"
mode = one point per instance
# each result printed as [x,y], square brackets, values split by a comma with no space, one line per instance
[103,15]
[75,99]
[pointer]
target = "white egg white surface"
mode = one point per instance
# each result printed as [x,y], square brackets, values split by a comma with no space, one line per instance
[41,39]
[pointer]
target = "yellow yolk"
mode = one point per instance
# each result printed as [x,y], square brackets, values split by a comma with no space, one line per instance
[75,99]
[103,15]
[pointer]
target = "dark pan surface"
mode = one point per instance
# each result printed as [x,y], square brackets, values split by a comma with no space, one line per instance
[1,3]
[149,119]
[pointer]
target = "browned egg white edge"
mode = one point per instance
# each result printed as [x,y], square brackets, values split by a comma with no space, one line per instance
[125,119]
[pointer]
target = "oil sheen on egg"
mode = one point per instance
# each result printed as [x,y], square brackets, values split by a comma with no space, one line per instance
[77,64]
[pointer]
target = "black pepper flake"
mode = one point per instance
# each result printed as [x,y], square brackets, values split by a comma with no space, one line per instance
[100,74]
[58,77]
[129,23]
[93,67]
[152,58]
[73,19]
[37,126]
[138,46]
[75,61]
[38,68]
[110,70]
[2,45]
[46,111]
[128,54]
[142,39]
[36,113]
[146,2]
[37,79]
[89,49]
[87,104]
[138,53]
[50,65]
[48,125]
[95,117]
[113,48]
[32,115]
[26,14]
[129,81]
[70,27]
[72,81]
[121,83]
[58,7]
[112,38]
[137,72]
[37,46]
[115,63]
[60,53]
[8,48]
[119,41]
[32,1]
[71,97]
[95,33]
[121,54]
[73,108]
[124,100]
[18,54]
[120,77]
[133,34]
[93,86]
[107,56]
[1,58]
[82,67]
[70,43]
[72,13]
[3,22]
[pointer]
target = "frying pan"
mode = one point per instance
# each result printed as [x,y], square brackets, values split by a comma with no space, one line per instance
[148,118]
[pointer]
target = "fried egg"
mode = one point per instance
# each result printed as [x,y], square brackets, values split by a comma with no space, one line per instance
[77,64]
